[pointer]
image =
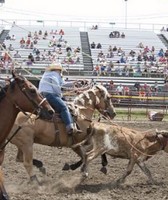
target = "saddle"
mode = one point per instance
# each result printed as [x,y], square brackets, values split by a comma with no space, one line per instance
[57,118]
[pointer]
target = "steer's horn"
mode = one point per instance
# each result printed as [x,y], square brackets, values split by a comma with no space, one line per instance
[164,132]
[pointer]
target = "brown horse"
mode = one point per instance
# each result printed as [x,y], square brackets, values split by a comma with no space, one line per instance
[18,95]
[44,132]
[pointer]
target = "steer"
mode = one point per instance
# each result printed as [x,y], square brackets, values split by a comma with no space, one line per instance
[122,142]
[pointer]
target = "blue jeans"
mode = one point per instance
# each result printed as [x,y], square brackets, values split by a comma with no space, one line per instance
[60,106]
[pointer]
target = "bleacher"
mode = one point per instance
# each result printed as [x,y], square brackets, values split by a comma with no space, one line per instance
[130,42]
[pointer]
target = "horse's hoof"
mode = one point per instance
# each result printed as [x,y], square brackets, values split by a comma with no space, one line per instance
[43,170]
[34,180]
[103,170]
[85,175]
[66,167]
[5,197]
[72,167]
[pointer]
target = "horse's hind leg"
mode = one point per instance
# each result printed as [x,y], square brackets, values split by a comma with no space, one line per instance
[77,164]
[104,163]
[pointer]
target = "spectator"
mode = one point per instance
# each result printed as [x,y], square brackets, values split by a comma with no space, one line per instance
[111,35]
[142,93]
[153,49]
[122,35]
[36,35]
[114,48]
[29,34]
[17,55]
[3,46]
[30,59]
[162,29]
[22,43]
[140,45]
[40,32]
[68,49]
[137,86]
[156,87]
[13,37]
[61,32]
[116,34]
[55,32]
[45,35]
[28,42]
[10,48]
[111,85]
[146,49]
[166,54]
[120,89]
[161,53]
[122,59]
[31,45]
[99,46]
[126,90]
[77,50]
[93,45]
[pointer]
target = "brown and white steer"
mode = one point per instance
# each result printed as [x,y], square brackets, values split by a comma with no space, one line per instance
[122,142]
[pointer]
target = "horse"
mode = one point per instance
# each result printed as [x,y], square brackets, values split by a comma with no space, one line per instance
[17,95]
[44,132]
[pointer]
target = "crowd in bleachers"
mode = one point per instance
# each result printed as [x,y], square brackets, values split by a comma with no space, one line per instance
[138,61]
[110,57]
[27,50]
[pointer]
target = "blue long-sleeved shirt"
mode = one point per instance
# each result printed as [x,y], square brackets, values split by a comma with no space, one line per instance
[52,82]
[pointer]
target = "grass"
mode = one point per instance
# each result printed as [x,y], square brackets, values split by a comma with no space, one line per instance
[134,114]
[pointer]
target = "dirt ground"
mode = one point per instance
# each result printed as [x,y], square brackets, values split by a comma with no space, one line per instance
[61,185]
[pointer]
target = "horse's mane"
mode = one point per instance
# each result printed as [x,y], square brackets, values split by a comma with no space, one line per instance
[85,97]
[3,91]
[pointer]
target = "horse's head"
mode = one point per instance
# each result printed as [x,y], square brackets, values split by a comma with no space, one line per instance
[103,101]
[25,96]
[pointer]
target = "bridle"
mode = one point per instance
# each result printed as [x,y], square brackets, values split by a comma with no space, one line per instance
[37,106]
[102,111]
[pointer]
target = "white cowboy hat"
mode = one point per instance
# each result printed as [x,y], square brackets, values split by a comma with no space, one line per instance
[55,66]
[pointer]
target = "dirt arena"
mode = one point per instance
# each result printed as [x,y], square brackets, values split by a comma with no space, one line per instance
[61,185]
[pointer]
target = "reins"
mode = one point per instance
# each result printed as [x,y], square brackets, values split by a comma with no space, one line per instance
[5,144]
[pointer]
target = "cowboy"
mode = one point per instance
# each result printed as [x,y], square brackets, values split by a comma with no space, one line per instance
[50,87]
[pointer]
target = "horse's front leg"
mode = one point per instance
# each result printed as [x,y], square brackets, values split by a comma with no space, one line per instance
[28,161]
[3,193]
